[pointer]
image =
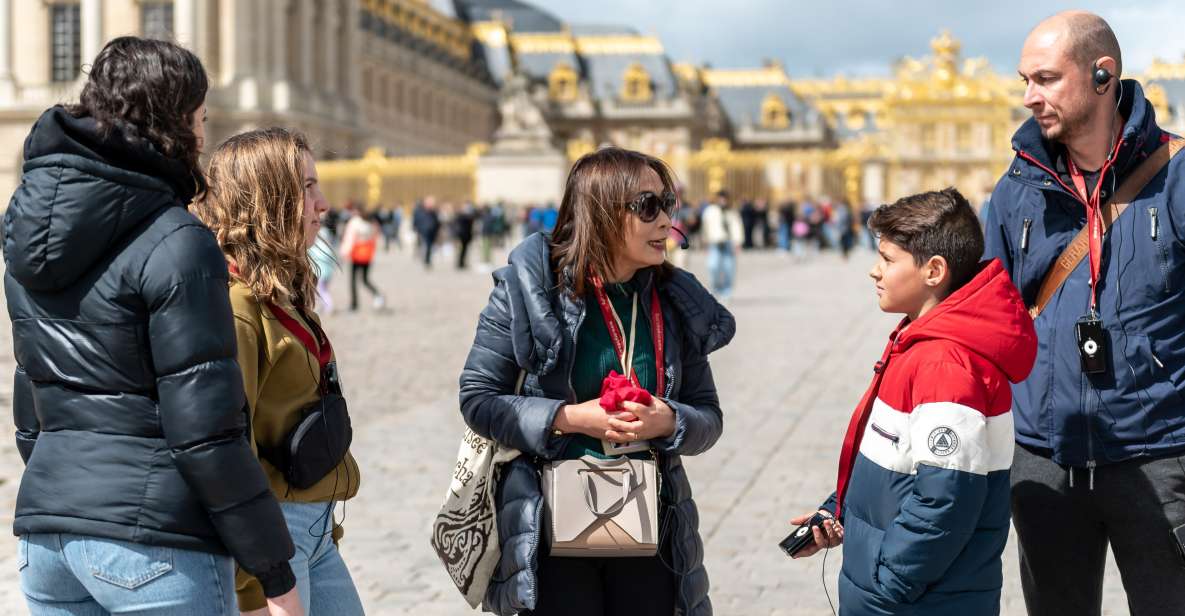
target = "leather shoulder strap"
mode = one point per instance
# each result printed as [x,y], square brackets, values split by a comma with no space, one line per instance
[1079,246]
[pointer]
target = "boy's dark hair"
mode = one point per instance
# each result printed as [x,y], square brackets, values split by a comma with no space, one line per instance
[937,223]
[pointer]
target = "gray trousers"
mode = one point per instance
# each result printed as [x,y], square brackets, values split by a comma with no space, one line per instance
[1064,533]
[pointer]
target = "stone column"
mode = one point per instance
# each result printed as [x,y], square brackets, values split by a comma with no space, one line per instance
[874,183]
[330,20]
[280,74]
[238,33]
[350,53]
[185,25]
[91,16]
[303,71]
[7,83]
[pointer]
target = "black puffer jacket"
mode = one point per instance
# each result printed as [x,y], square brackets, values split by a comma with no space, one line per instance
[531,324]
[128,401]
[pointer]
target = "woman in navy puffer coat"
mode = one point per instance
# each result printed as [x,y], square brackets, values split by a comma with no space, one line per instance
[533,322]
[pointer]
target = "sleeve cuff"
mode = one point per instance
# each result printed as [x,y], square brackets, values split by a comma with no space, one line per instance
[277,580]
[829,504]
[24,445]
[552,444]
[672,443]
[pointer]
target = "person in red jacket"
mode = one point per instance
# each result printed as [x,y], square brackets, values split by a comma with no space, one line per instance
[923,486]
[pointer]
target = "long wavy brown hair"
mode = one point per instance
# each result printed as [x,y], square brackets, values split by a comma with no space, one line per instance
[255,206]
[591,223]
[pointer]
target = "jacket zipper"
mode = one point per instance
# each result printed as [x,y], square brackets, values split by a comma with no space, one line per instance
[571,365]
[1024,251]
[1161,252]
[1090,461]
[885,433]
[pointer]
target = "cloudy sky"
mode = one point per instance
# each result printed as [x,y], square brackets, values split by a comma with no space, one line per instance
[823,37]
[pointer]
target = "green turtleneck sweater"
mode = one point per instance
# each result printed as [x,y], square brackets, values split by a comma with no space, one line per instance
[596,357]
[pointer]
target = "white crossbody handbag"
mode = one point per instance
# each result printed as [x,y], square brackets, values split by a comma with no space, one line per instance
[603,507]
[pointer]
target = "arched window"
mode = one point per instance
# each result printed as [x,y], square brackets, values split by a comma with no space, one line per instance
[561,83]
[774,114]
[857,118]
[636,85]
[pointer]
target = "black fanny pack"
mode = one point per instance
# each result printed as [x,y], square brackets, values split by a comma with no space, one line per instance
[318,443]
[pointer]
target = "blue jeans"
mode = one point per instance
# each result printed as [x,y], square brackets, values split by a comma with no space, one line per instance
[90,576]
[324,582]
[722,268]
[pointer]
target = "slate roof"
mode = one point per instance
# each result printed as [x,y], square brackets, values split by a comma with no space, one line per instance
[523,17]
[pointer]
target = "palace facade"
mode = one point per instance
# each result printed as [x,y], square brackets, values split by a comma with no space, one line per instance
[388,88]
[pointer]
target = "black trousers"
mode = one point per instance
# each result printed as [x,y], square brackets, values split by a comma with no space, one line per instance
[1064,533]
[605,587]
[426,245]
[360,270]
[462,252]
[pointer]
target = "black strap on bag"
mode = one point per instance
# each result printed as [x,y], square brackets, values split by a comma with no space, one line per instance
[318,443]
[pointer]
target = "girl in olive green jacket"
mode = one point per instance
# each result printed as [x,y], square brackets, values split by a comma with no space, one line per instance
[264,205]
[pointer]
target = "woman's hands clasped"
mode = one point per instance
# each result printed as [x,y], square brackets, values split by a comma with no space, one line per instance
[634,422]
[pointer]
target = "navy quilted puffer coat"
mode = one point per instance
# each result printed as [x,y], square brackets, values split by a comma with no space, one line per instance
[531,324]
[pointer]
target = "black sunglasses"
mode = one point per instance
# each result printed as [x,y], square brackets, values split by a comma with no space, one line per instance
[647,205]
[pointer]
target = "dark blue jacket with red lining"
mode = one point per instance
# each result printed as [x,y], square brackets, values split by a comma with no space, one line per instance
[1135,409]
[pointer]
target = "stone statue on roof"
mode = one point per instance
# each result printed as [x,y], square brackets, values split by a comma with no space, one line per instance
[523,126]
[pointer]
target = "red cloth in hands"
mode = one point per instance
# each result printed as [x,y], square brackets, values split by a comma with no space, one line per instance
[615,389]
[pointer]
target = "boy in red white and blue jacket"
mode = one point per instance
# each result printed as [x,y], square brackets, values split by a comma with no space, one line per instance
[923,486]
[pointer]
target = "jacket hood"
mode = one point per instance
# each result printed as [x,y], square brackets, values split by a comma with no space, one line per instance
[986,316]
[537,330]
[81,191]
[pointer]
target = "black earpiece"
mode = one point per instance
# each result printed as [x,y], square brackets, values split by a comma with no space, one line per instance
[1101,76]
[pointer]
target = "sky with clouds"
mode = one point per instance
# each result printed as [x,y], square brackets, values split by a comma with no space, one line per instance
[825,37]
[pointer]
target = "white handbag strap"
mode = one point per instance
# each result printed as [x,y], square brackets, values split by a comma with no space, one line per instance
[627,487]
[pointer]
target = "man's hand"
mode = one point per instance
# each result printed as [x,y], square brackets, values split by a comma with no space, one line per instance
[829,536]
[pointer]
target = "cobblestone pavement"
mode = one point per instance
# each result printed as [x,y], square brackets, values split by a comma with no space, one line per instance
[808,335]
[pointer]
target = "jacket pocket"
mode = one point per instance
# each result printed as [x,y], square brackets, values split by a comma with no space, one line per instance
[1022,251]
[861,549]
[125,564]
[1132,395]
[1162,251]
[888,435]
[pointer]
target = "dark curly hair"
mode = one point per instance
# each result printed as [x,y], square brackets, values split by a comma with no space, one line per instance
[148,89]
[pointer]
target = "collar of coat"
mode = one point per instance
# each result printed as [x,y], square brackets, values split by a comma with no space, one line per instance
[1141,137]
[540,308]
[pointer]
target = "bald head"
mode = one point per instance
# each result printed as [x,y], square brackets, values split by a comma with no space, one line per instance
[1084,37]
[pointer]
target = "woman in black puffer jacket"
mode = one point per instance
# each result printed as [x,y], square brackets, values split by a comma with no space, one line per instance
[128,401]
[543,318]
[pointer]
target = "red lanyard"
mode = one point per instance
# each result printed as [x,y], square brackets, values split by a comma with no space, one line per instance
[618,337]
[319,347]
[1094,217]
[856,426]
